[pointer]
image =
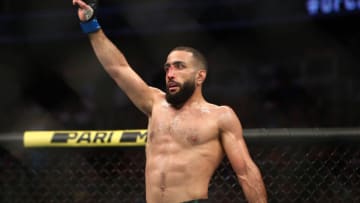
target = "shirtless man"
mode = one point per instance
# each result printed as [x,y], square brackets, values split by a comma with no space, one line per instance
[187,136]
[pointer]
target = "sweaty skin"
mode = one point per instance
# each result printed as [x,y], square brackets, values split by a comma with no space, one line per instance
[183,148]
[187,140]
[183,151]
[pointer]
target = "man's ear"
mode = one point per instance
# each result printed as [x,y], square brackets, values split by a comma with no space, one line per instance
[201,76]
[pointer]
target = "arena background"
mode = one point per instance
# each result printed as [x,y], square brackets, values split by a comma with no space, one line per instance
[278,64]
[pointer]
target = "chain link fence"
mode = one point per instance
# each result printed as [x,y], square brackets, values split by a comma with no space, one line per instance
[295,169]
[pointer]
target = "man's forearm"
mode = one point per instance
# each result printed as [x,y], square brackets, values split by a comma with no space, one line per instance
[108,54]
[255,193]
[253,185]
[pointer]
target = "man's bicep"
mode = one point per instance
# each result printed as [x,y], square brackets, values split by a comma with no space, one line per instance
[116,65]
[140,93]
[236,151]
[233,142]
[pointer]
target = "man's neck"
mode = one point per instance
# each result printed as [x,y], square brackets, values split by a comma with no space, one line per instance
[194,101]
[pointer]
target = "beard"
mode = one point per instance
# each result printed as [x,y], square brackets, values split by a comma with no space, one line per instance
[184,93]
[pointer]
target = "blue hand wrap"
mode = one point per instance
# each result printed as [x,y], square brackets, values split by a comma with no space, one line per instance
[90,26]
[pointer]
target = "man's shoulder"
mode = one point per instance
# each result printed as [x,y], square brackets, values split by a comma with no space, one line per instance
[219,113]
[224,114]
[158,93]
[220,108]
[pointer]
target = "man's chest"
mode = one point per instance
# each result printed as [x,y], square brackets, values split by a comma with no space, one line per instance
[184,127]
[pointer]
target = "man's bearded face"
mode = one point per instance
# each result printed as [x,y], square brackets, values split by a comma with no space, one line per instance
[185,91]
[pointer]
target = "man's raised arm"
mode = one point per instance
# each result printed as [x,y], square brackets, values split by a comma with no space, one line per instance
[247,172]
[113,61]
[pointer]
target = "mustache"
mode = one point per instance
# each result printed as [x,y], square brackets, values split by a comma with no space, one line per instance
[185,92]
[172,83]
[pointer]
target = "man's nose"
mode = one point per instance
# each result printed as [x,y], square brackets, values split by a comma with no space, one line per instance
[170,73]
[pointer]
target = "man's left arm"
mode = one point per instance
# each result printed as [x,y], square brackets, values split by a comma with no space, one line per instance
[247,172]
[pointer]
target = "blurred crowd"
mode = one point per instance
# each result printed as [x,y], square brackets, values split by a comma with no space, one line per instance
[78,94]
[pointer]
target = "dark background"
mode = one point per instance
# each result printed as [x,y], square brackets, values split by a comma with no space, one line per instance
[271,61]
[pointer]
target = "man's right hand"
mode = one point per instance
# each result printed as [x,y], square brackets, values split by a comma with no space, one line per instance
[87,15]
[86,12]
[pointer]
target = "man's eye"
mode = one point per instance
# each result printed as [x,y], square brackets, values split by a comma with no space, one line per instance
[179,65]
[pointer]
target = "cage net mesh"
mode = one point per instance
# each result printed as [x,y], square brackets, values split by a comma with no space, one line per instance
[292,172]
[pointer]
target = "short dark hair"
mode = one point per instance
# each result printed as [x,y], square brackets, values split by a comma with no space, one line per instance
[197,55]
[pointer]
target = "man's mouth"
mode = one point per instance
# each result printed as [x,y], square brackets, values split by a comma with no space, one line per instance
[172,86]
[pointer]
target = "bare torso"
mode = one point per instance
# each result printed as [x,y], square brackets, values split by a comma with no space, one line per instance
[183,150]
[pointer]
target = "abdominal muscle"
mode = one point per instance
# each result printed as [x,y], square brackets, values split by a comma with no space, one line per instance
[176,173]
